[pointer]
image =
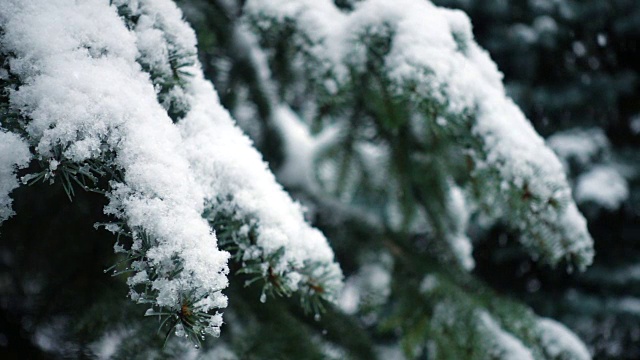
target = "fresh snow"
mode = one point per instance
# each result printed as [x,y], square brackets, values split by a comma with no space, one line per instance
[433,58]
[84,90]
[14,153]
[602,185]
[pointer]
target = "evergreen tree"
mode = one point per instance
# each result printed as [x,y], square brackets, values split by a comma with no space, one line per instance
[385,119]
[572,67]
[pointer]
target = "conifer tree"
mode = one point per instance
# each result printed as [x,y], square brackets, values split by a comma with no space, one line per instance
[385,119]
[572,67]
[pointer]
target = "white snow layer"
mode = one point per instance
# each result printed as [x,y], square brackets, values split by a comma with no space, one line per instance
[602,185]
[458,239]
[14,153]
[224,162]
[560,343]
[84,90]
[503,345]
[433,58]
[580,145]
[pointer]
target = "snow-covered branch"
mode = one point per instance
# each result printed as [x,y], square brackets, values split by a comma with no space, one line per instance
[440,93]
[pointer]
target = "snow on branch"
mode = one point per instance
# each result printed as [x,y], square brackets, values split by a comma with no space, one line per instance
[253,216]
[501,344]
[88,101]
[115,91]
[558,342]
[14,153]
[434,80]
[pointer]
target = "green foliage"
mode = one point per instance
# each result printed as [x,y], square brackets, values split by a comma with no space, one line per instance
[239,237]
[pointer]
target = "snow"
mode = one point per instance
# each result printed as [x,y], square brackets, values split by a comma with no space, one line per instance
[349,299]
[579,145]
[226,165]
[634,124]
[560,343]
[14,153]
[459,241]
[228,169]
[369,287]
[579,49]
[84,90]
[432,59]
[429,283]
[502,344]
[617,276]
[545,25]
[300,149]
[106,347]
[602,185]
[318,16]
